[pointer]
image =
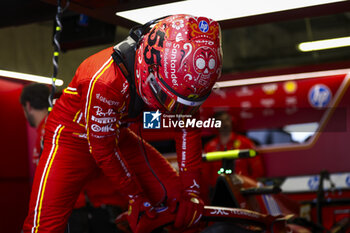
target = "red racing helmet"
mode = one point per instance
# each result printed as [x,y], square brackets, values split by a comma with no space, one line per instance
[177,63]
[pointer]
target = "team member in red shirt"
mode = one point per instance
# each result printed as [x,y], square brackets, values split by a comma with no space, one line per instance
[227,139]
[171,67]
[35,103]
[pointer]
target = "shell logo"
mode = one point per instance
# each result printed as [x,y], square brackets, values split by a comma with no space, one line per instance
[290,87]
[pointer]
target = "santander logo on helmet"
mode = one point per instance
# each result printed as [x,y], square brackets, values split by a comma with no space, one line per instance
[178,62]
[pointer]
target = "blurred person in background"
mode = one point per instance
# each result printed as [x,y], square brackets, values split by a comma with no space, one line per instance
[35,102]
[228,138]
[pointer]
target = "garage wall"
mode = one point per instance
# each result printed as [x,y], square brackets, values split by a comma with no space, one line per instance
[29,49]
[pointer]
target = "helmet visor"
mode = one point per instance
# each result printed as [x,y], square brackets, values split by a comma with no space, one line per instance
[172,101]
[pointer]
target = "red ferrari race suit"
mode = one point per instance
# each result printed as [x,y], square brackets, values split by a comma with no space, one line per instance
[85,131]
[38,147]
[98,189]
[251,167]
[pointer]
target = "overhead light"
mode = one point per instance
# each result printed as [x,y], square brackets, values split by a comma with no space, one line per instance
[29,77]
[218,9]
[324,44]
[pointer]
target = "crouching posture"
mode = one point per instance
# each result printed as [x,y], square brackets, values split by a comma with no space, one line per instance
[170,67]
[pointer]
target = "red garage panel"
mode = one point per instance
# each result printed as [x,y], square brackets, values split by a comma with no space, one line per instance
[14,169]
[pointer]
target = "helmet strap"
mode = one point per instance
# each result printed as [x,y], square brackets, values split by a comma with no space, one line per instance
[137,32]
[124,56]
[125,51]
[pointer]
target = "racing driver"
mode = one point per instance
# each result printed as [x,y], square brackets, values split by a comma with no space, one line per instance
[170,67]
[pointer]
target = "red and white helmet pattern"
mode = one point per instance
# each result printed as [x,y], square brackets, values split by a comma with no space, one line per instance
[178,62]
